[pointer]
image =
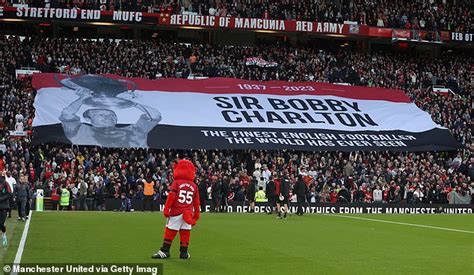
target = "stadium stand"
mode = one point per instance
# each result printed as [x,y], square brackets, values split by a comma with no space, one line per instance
[419,15]
[427,177]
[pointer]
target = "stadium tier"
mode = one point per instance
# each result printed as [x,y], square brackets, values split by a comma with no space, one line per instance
[111,172]
[425,15]
[335,109]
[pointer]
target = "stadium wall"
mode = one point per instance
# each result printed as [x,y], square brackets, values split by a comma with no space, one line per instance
[326,208]
[310,208]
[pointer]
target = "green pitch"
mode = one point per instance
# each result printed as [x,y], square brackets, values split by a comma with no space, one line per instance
[258,243]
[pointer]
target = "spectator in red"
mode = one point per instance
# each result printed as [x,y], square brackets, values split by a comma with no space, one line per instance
[333,196]
[368,196]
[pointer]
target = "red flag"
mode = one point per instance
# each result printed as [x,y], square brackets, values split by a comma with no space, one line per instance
[164,19]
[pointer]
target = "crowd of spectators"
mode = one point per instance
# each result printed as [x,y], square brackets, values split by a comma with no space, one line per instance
[333,176]
[430,15]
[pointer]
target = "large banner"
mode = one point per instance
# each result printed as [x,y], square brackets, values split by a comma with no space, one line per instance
[222,113]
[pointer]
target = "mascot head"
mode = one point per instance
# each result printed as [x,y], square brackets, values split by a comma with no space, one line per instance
[184,170]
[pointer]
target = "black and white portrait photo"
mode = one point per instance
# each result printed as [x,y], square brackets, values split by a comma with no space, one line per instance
[101,97]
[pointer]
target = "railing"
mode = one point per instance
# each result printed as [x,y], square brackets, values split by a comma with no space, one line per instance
[419,36]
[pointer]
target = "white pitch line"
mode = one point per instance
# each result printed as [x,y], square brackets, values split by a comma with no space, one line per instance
[404,223]
[21,247]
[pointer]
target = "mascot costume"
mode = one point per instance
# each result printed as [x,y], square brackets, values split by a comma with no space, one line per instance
[181,209]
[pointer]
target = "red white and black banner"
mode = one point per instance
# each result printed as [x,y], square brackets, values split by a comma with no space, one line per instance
[222,113]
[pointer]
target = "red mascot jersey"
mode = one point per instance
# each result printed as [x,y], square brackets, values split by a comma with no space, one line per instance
[183,197]
[186,195]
